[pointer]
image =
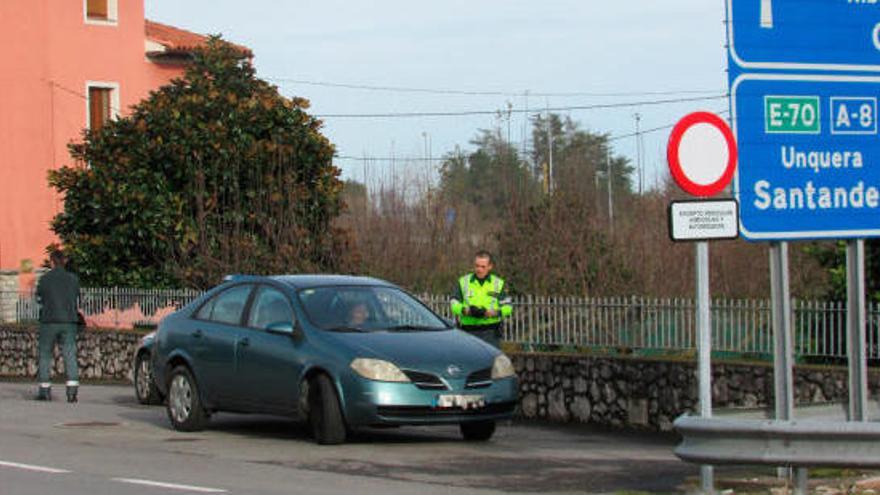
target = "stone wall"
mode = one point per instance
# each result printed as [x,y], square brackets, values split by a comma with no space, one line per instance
[652,393]
[618,392]
[102,355]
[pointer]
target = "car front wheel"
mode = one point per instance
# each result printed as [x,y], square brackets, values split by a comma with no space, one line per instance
[325,414]
[144,388]
[185,409]
[477,431]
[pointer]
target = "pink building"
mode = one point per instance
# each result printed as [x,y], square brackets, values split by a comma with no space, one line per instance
[71,64]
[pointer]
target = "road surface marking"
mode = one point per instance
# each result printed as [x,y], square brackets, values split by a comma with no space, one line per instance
[31,467]
[171,486]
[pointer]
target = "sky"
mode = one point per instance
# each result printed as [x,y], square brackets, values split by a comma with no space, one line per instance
[475,56]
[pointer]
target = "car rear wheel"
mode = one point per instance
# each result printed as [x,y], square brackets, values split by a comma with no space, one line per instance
[477,431]
[185,409]
[144,388]
[325,414]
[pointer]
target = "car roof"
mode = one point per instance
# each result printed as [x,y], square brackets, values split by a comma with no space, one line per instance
[315,280]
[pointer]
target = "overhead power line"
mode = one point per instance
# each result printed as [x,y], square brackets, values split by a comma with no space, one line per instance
[653,129]
[641,133]
[388,159]
[484,112]
[465,92]
[444,158]
[597,106]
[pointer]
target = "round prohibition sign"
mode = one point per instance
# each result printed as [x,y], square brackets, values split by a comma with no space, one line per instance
[702,154]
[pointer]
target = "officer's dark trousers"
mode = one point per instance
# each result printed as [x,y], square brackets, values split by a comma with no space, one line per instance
[49,334]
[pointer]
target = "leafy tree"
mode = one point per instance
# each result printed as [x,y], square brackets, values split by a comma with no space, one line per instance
[354,194]
[551,249]
[490,179]
[546,243]
[832,257]
[214,173]
[580,158]
[560,244]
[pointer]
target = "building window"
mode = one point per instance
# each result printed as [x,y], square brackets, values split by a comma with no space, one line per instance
[101,11]
[103,104]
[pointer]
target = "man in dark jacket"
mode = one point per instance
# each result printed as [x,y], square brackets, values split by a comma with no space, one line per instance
[57,293]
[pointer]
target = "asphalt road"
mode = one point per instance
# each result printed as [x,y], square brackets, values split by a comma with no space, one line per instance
[109,444]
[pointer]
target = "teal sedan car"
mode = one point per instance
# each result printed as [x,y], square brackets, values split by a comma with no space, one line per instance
[339,352]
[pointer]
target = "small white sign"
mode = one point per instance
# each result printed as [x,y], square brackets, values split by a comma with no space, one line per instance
[703,220]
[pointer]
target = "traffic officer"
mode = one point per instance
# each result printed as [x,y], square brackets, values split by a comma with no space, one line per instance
[480,302]
[57,293]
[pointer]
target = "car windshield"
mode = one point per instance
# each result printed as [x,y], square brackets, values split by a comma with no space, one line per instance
[365,308]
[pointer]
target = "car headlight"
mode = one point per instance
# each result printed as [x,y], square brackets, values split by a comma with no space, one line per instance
[502,368]
[379,370]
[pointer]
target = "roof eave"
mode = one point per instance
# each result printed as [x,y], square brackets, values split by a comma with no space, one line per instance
[171,57]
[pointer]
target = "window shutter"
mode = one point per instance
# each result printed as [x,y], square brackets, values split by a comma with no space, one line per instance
[99,107]
[97,9]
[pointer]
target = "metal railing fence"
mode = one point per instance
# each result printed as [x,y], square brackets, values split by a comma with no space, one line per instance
[633,323]
[116,307]
[739,326]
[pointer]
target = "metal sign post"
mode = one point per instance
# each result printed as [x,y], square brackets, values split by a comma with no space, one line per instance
[856,348]
[783,355]
[783,363]
[704,330]
[702,159]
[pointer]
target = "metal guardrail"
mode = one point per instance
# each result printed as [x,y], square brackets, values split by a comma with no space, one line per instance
[635,323]
[713,441]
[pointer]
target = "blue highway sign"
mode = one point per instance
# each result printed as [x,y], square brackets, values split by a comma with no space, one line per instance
[814,35]
[809,154]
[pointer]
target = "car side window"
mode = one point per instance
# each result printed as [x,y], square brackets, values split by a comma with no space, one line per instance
[230,304]
[204,312]
[269,307]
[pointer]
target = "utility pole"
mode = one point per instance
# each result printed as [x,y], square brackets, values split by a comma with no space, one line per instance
[509,115]
[549,150]
[525,136]
[638,119]
[425,140]
[366,189]
[608,176]
[393,169]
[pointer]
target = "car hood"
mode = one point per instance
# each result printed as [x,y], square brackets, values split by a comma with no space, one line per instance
[434,350]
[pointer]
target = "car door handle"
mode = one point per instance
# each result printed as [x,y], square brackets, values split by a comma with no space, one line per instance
[197,334]
[244,342]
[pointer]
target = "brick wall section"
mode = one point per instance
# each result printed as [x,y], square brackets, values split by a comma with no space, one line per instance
[102,355]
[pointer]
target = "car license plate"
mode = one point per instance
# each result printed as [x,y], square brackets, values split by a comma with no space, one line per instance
[460,401]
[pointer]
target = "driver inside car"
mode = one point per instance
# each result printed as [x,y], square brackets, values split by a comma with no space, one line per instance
[358,314]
